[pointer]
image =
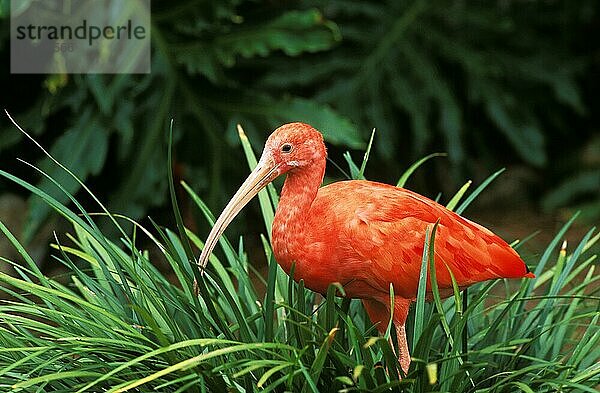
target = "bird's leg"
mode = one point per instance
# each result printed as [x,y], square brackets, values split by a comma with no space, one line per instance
[401,307]
[380,313]
[403,353]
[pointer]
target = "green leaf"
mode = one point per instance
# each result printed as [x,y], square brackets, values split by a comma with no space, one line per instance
[336,128]
[293,33]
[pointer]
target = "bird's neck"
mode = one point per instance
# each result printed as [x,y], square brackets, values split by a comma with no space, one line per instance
[299,190]
[298,193]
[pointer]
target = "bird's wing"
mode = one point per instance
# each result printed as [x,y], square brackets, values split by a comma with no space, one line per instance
[381,229]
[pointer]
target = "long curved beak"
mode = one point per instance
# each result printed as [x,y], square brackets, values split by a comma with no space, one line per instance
[265,172]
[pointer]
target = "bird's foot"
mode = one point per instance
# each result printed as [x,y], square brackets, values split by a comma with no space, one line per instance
[404,363]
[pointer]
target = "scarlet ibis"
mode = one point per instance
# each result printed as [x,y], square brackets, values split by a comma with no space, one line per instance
[362,234]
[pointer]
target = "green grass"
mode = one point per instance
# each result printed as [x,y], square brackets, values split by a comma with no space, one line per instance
[120,325]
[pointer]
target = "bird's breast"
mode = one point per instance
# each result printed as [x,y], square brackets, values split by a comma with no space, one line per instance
[312,259]
[316,256]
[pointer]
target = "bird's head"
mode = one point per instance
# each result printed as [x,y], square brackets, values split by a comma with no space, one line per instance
[293,146]
[289,148]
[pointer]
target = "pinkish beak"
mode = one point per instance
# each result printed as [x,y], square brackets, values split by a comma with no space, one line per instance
[265,172]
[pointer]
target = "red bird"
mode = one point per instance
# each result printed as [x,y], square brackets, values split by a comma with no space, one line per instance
[362,234]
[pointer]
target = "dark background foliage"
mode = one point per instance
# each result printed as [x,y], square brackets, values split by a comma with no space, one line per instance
[492,83]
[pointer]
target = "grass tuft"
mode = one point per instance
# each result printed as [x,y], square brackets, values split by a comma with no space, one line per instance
[120,325]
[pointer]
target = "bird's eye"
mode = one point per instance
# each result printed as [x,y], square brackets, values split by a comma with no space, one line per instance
[286,148]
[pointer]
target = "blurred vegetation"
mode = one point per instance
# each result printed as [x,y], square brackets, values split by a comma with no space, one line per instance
[500,83]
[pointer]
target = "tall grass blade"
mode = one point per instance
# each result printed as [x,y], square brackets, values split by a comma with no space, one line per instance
[354,170]
[363,166]
[404,178]
[458,196]
[87,332]
[176,212]
[461,208]
[420,316]
[266,205]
